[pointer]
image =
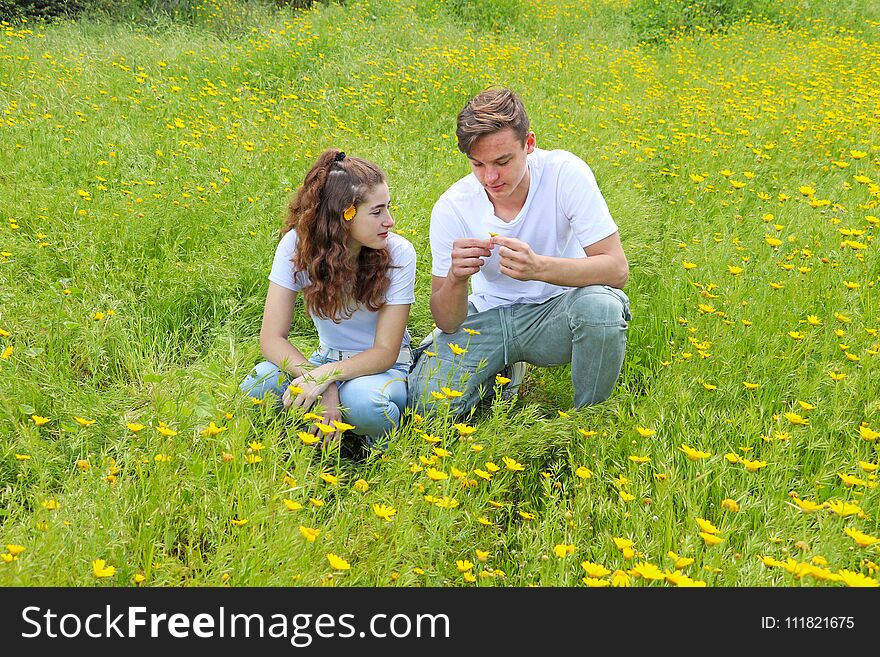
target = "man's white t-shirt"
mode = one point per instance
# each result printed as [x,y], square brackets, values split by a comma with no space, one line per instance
[564,212]
[357,332]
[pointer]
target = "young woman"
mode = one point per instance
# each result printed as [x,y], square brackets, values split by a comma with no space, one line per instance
[357,279]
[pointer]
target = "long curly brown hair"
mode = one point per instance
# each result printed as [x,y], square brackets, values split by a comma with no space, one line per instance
[337,283]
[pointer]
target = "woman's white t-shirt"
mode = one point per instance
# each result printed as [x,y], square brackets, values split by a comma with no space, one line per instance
[357,332]
[564,212]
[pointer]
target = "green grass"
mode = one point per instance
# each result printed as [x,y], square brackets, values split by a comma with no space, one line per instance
[146,172]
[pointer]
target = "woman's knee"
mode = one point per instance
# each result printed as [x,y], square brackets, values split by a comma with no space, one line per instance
[264,378]
[373,407]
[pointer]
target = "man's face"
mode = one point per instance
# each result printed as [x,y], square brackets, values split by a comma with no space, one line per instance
[498,160]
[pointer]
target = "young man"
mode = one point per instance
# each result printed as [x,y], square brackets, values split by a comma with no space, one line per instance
[530,231]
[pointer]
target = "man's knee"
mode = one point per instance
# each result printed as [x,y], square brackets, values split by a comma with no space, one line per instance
[598,305]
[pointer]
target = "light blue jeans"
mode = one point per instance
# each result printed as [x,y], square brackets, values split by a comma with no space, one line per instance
[584,326]
[371,403]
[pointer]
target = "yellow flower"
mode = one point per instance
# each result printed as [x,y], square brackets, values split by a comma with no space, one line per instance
[647,571]
[337,562]
[750,386]
[349,213]
[464,429]
[308,438]
[139,578]
[711,539]
[844,509]
[753,466]
[315,502]
[645,433]
[501,380]
[134,427]
[512,465]
[470,331]
[39,420]
[862,539]
[101,569]
[15,550]
[868,433]
[239,522]
[361,485]
[526,515]
[730,505]
[212,430]
[594,569]
[491,467]
[688,265]
[81,421]
[458,351]
[562,550]
[679,562]
[342,426]
[619,578]
[325,428]
[7,353]
[385,512]
[253,458]
[52,505]
[463,565]
[165,431]
[851,578]
[735,270]
[595,583]
[436,475]
[482,555]
[309,534]
[584,472]
[794,418]
[587,433]
[694,454]
[450,393]
[292,505]
[707,526]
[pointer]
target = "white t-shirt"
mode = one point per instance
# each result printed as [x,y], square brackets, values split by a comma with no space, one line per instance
[357,332]
[564,212]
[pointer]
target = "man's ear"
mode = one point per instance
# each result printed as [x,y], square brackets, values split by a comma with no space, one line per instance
[530,142]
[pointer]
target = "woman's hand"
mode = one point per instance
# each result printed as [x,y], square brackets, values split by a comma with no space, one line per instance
[332,412]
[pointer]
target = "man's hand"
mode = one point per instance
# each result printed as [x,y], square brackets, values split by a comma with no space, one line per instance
[516,259]
[467,257]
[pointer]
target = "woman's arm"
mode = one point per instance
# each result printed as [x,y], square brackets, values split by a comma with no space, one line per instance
[390,326]
[277,317]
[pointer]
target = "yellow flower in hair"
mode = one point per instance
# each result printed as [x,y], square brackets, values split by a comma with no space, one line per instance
[349,213]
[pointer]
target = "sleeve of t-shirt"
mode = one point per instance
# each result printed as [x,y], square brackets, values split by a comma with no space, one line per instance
[282,266]
[442,233]
[583,203]
[401,290]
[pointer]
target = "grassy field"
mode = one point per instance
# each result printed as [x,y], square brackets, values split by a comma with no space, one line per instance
[145,174]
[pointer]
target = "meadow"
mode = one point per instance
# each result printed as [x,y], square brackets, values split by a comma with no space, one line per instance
[145,172]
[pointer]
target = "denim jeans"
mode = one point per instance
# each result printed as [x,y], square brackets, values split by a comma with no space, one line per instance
[371,403]
[583,326]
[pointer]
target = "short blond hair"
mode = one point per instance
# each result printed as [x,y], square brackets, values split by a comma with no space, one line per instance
[493,109]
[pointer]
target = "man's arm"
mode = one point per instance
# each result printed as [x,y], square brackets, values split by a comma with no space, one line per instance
[449,293]
[606,264]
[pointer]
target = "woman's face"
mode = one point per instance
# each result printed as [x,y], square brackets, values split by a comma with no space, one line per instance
[372,223]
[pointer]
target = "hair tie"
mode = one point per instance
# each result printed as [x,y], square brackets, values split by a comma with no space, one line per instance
[339,156]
